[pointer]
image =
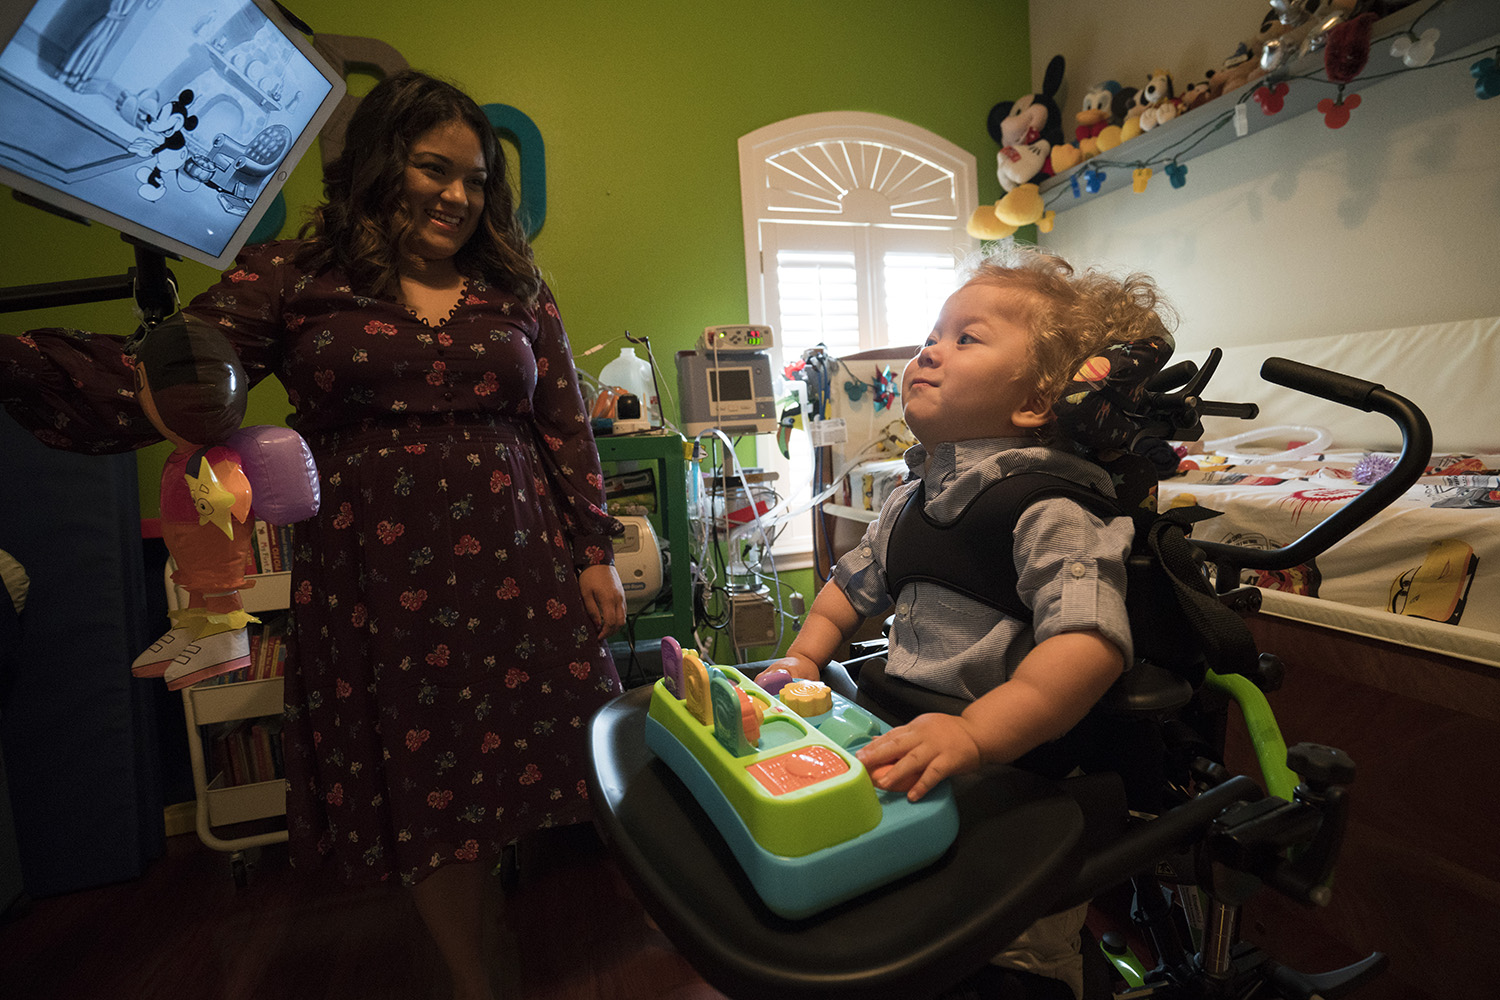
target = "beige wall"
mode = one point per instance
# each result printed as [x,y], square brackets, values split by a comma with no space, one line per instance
[1296,230]
[1125,39]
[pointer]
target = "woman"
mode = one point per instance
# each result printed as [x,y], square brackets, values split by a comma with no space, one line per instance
[451,598]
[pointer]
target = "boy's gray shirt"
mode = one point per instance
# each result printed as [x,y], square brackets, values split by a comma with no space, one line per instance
[1070,566]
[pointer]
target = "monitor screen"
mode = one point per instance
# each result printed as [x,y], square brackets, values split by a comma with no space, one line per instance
[731,384]
[173,121]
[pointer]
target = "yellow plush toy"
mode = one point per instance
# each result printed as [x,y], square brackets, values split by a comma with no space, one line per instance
[1022,206]
[1098,127]
[985,225]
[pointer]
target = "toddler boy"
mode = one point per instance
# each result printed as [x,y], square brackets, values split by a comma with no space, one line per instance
[979,397]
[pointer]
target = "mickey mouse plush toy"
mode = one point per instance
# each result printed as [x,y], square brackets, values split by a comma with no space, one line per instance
[169,126]
[1027,129]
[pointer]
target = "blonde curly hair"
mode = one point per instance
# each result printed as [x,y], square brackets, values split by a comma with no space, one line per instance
[1072,315]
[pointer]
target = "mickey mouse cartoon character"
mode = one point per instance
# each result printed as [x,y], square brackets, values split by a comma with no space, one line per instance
[1027,129]
[169,126]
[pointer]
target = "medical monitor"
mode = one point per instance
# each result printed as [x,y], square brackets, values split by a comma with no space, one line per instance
[733,392]
[174,121]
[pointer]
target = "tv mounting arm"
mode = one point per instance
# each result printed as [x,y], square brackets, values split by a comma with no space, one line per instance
[150,282]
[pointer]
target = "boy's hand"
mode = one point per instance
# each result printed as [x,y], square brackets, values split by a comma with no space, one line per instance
[799,667]
[913,758]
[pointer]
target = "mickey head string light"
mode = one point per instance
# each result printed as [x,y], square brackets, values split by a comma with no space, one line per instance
[1486,74]
[1347,45]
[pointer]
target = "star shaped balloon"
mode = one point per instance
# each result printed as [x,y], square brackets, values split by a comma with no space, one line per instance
[213,501]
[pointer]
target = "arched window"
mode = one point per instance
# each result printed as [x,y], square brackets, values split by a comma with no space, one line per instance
[854,227]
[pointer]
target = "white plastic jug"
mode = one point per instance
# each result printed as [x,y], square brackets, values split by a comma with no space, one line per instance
[633,374]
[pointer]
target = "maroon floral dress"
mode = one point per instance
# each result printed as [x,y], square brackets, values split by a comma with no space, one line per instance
[442,667]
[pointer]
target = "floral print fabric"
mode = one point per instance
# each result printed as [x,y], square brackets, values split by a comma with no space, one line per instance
[442,667]
[445,666]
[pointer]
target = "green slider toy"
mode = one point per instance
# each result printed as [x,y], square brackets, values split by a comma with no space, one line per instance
[777,775]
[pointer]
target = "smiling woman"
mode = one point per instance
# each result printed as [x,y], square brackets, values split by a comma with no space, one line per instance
[452,595]
[443,200]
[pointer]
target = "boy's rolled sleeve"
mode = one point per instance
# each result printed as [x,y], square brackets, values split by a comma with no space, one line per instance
[862,580]
[1072,571]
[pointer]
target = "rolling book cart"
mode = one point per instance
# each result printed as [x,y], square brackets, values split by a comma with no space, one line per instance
[222,804]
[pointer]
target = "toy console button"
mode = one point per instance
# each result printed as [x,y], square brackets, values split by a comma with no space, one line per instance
[850,728]
[772,681]
[808,698]
[798,769]
[750,715]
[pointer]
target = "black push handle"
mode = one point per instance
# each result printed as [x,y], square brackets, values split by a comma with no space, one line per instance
[1239,411]
[1344,389]
[1416,452]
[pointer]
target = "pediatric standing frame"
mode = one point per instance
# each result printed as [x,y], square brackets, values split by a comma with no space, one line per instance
[1028,846]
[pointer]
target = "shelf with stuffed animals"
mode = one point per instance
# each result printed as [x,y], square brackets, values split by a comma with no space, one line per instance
[1135,138]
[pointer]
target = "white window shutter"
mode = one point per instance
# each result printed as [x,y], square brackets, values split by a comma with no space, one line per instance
[854,227]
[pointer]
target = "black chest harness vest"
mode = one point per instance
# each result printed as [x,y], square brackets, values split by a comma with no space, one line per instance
[974,554]
[1176,620]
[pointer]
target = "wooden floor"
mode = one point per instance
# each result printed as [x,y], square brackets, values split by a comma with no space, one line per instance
[1419,876]
[568,930]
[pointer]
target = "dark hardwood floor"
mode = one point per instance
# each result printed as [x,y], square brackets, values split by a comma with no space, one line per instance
[569,929]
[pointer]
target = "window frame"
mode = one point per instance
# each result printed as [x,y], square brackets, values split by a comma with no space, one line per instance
[874,230]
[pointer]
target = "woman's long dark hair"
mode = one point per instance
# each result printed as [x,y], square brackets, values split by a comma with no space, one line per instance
[361,226]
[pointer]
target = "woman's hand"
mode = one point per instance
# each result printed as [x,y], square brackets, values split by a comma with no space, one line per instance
[603,598]
[913,758]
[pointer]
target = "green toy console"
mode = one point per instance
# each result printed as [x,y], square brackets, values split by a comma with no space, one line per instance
[777,775]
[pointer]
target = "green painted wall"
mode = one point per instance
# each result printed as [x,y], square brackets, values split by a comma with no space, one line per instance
[640,105]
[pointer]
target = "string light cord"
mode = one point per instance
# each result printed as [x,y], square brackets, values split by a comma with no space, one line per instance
[1182,147]
[1168,154]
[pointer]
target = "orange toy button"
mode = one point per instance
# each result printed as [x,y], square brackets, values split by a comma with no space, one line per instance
[750,713]
[797,769]
[808,698]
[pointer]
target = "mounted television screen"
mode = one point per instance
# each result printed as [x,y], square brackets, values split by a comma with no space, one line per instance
[173,121]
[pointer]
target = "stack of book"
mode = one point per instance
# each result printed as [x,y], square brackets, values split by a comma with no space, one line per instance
[272,552]
[267,648]
[267,652]
[246,751]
